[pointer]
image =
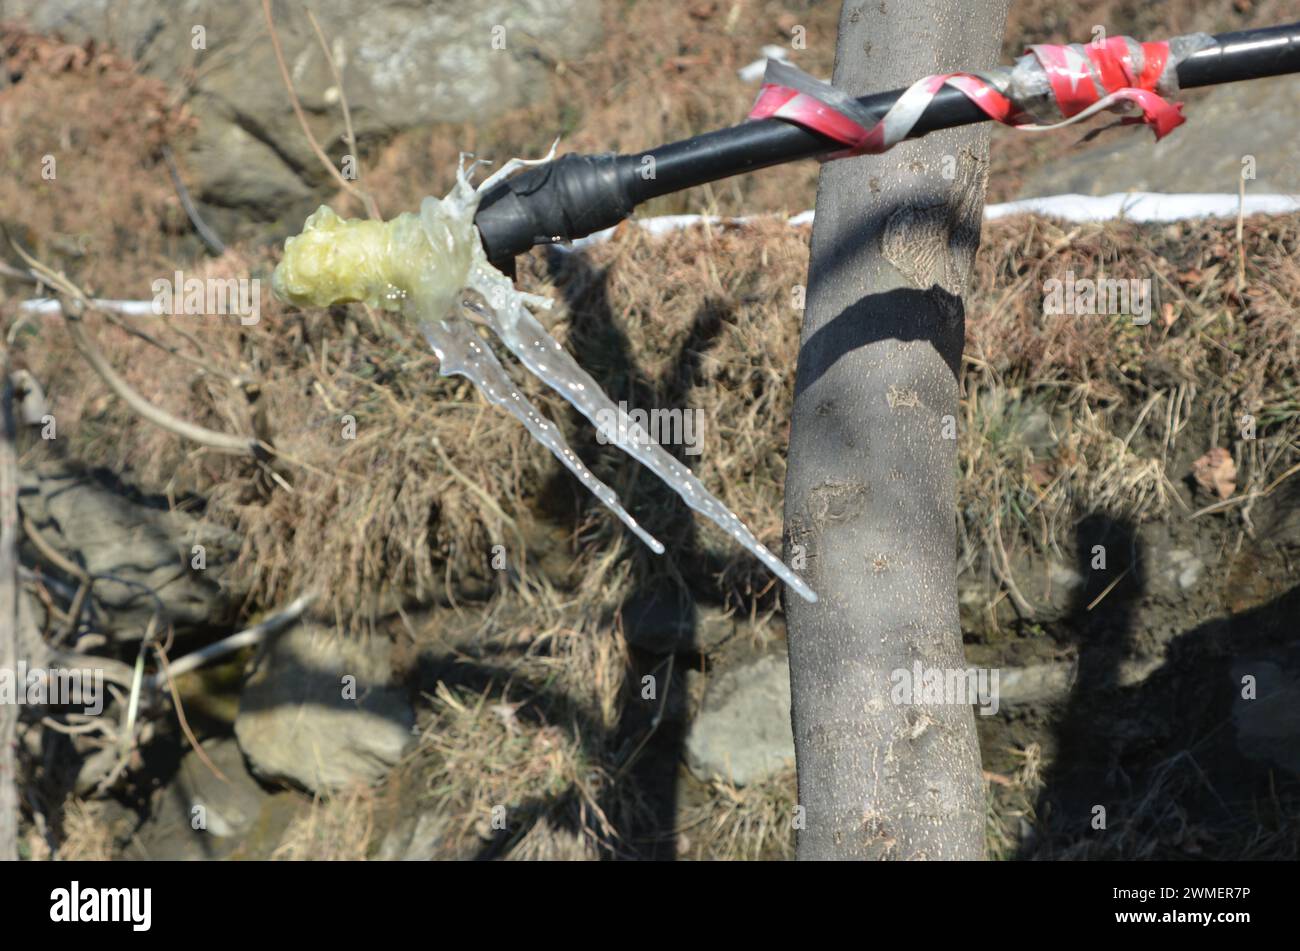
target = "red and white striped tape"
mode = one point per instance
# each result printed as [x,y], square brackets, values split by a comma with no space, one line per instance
[1078,80]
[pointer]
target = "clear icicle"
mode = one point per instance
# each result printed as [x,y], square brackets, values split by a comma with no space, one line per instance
[461,353]
[546,359]
[422,265]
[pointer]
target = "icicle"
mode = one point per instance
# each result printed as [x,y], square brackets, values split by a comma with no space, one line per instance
[546,359]
[422,265]
[461,353]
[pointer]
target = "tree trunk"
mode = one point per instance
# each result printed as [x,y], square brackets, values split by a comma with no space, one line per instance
[870,497]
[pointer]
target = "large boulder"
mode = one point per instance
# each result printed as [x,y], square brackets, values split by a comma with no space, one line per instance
[138,547]
[742,733]
[416,839]
[225,806]
[321,712]
[404,64]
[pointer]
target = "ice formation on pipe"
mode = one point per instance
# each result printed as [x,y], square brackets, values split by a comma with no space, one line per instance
[431,267]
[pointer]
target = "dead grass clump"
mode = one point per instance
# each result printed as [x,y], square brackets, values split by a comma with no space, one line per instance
[754,823]
[1010,801]
[338,829]
[501,772]
[1107,404]
[87,836]
[1061,415]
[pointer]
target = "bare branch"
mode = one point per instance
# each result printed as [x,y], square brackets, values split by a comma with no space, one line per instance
[225,442]
[366,200]
[72,308]
[205,232]
[180,717]
[234,642]
[338,83]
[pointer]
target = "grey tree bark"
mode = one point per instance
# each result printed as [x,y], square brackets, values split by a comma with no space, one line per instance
[870,496]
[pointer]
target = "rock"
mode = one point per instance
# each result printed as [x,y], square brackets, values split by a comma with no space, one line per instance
[1185,568]
[241,818]
[298,722]
[198,815]
[1204,155]
[1268,727]
[1035,683]
[228,807]
[404,64]
[235,169]
[742,733]
[1063,577]
[98,524]
[415,839]
[1037,431]
[663,624]
[1051,587]
[1175,573]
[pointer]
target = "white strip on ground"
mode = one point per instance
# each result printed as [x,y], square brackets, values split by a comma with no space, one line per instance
[1145,206]
[1141,207]
[127,308]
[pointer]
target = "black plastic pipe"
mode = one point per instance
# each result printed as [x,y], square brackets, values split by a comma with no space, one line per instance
[576,195]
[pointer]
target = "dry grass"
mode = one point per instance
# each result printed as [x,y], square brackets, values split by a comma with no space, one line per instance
[507,776]
[87,836]
[756,823]
[1010,803]
[704,322]
[105,209]
[1121,398]
[1164,820]
[338,829]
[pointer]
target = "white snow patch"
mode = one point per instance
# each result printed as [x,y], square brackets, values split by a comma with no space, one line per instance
[1141,207]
